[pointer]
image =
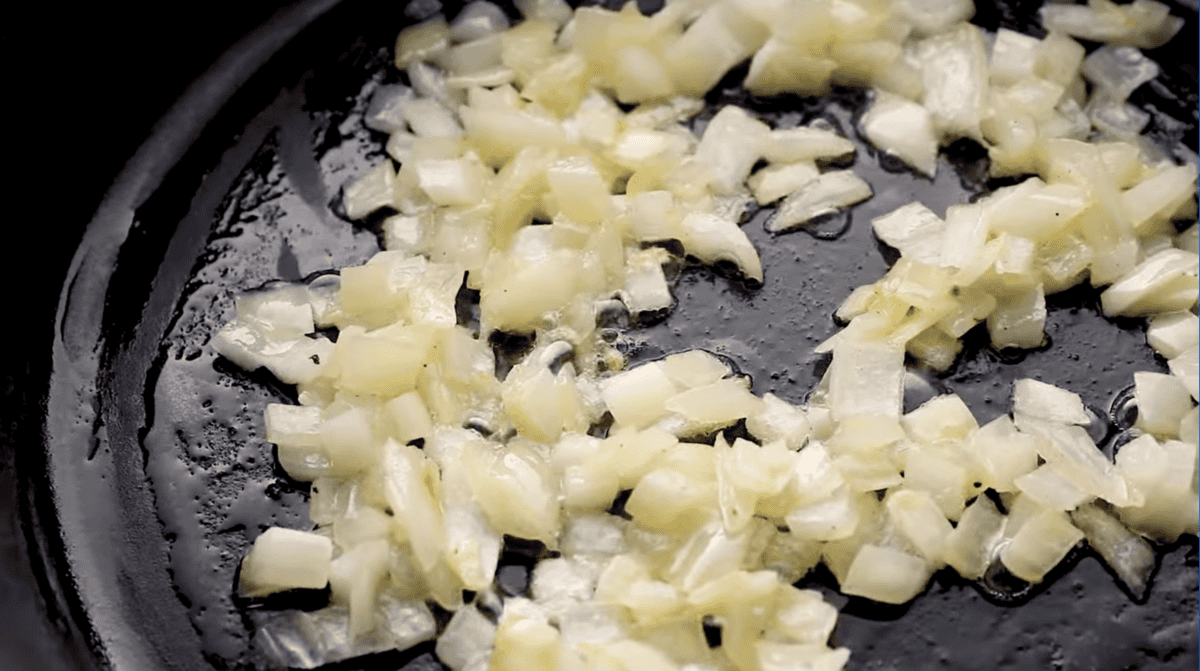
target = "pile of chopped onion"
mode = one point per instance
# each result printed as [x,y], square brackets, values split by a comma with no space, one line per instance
[520,172]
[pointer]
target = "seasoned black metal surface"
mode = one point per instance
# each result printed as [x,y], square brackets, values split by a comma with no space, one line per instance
[156,475]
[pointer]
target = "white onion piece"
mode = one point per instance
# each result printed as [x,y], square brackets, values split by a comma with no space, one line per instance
[826,194]
[1118,70]
[712,238]
[886,574]
[1143,23]
[1050,489]
[1013,56]
[1186,367]
[1073,453]
[930,17]
[955,72]
[904,129]
[283,559]
[371,191]
[805,143]
[1045,401]
[1162,402]
[1126,553]
[1173,333]
[1116,119]
[1165,282]
[776,181]
[1039,545]
[731,143]
[422,41]
[866,378]
[1158,197]
[914,230]
[385,112]
[477,20]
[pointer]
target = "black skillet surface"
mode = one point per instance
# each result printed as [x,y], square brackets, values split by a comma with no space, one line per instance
[155,476]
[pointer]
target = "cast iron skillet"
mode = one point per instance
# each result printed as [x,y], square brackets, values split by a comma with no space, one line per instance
[155,476]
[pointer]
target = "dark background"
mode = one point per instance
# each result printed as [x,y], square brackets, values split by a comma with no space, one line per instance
[86,84]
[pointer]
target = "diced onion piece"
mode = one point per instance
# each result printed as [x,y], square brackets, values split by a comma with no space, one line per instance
[968,548]
[500,134]
[478,19]
[1162,401]
[641,75]
[886,575]
[467,641]
[721,403]
[386,112]
[866,378]
[636,397]
[723,36]
[805,143]
[283,559]
[712,238]
[955,71]
[371,191]
[1126,553]
[354,579]
[1037,211]
[580,191]
[782,67]
[450,182]
[1050,489]
[646,287]
[776,181]
[732,142]
[921,521]
[1143,23]
[417,514]
[797,656]
[292,360]
[1045,401]
[802,616]
[1004,453]
[1158,197]
[1041,543]
[1154,471]
[1173,333]
[934,16]
[826,194]
[778,420]
[944,417]
[1013,57]
[557,12]
[946,482]
[1019,321]
[524,642]
[1118,70]
[422,41]
[695,368]
[386,361]
[904,129]
[1077,458]
[832,518]
[665,495]
[1059,58]
[1164,282]
[1186,368]
[964,236]
[914,230]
